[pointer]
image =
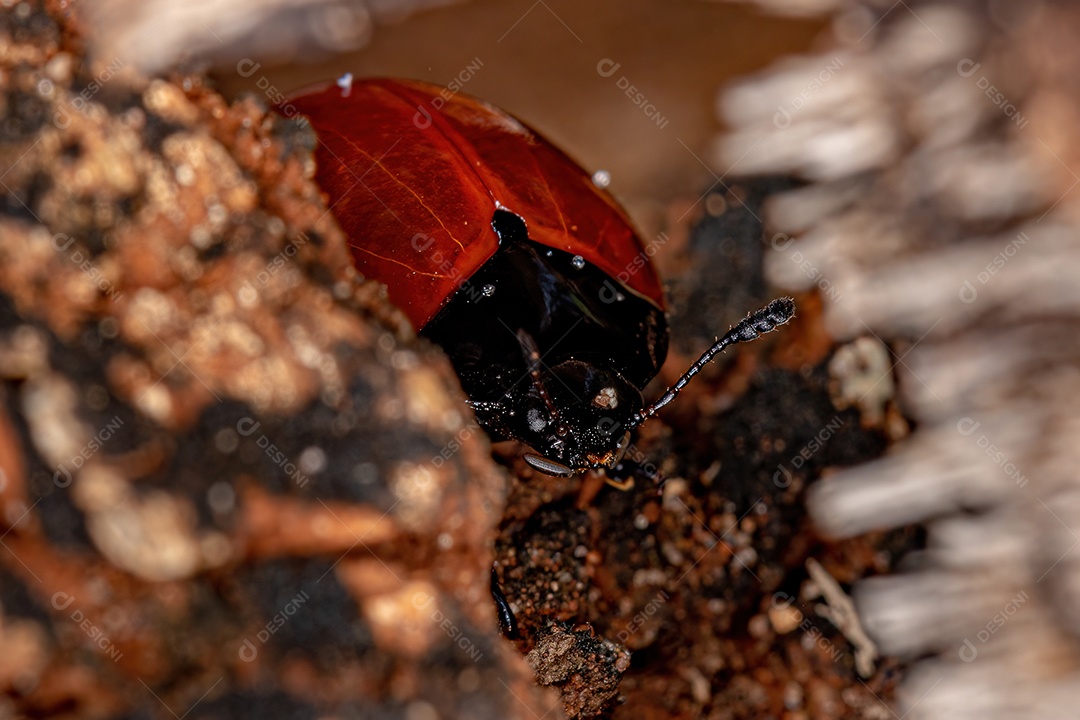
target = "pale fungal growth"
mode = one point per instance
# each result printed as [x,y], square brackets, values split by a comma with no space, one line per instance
[938,144]
[840,611]
[606,398]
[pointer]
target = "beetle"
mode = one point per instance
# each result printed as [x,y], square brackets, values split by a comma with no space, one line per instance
[507,621]
[502,250]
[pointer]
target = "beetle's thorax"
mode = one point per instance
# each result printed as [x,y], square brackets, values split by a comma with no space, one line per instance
[547,354]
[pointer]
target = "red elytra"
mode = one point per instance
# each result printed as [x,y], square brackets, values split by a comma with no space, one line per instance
[420,174]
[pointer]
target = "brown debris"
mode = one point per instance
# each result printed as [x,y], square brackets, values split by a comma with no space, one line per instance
[585,668]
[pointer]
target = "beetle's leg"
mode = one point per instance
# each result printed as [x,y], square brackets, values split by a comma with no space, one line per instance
[507,621]
[532,360]
[623,476]
[623,485]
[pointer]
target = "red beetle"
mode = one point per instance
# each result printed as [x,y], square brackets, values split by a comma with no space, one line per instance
[502,250]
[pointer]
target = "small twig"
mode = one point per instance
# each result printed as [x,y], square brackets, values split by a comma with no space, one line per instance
[840,611]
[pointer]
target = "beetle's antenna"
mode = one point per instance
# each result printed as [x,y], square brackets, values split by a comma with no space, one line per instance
[755,325]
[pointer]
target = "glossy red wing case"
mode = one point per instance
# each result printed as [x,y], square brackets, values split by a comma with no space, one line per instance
[415,173]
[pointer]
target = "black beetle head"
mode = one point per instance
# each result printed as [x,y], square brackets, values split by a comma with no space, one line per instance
[576,415]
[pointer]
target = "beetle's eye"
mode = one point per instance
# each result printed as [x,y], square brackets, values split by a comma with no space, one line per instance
[562,430]
[536,420]
[606,398]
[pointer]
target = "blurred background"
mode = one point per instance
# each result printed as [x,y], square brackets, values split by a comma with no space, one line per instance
[911,174]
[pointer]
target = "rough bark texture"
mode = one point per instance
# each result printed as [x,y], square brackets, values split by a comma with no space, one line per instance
[218,490]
